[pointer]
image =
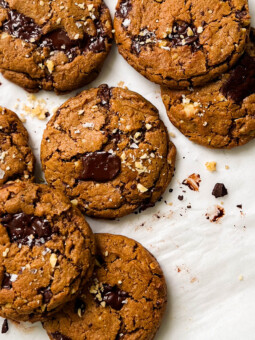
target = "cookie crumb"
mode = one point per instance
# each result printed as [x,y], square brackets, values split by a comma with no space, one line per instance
[240,277]
[211,166]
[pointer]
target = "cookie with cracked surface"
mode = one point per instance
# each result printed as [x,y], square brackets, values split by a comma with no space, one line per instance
[53,45]
[16,157]
[108,151]
[181,43]
[46,251]
[220,114]
[126,297]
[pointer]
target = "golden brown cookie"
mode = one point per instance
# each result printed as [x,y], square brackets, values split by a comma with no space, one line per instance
[108,151]
[16,157]
[125,300]
[181,43]
[46,251]
[220,114]
[53,45]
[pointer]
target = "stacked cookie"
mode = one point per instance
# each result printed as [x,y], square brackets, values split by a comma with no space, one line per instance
[202,54]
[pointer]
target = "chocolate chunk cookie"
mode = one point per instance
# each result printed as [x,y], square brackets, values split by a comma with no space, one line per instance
[220,114]
[126,297]
[16,157]
[53,45]
[108,151]
[181,43]
[46,251]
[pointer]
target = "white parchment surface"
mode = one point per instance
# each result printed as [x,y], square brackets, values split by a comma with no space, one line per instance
[209,267]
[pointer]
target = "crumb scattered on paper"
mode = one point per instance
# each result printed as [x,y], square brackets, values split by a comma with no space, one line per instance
[211,166]
[36,108]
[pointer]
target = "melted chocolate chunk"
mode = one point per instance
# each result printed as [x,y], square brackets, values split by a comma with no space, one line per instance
[46,293]
[21,26]
[144,38]
[220,213]
[100,166]
[60,336]
[184,34]
[79,307]
[113,296]
[241,82]
[5,327]
[21,226]
[124,8]
[219,190]
[6,282]
[104,93]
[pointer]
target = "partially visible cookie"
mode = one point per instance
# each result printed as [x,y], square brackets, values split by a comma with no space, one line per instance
[108,150]
[220,114]
[16,157]
[46,251]
[53,45]
[181,43]
[125,299]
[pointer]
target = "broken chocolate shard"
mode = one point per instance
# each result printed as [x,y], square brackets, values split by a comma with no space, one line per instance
[100,166]
[5,327]
[219,190]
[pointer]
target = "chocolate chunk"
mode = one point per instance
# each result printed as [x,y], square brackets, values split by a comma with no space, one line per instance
[21,26]
[5,327]
[104,93]
[180,197]
[60,336]
[6,282]
[113,296]
[46,293]
[240,206]
[184,34]
[143,39]
[27,229]
[241,14]
[79,307]
[241,82]
[124,8]
[219,190]
[100,166]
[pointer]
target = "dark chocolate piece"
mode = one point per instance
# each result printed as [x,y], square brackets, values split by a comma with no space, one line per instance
[21,226]
[79,307]
[184,34]
[114,297]
[46,293]
[5,327]
[124,8]
[6,282]
[240,206]
[180,197]
[241,82]
[100,166]
[21,26]
[60,336]
[104,93]
[219,190]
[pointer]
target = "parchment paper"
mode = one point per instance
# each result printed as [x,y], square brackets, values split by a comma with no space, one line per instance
[209,267]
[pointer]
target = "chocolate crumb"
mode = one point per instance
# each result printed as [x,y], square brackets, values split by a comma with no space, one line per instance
[180,197]
[240,206]
[219,190]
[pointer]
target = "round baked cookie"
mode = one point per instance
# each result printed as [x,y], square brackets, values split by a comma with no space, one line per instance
[220,114]
[108,151]
[125,299]
[46,251]
[16,157]
[53,45]
[181,43]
